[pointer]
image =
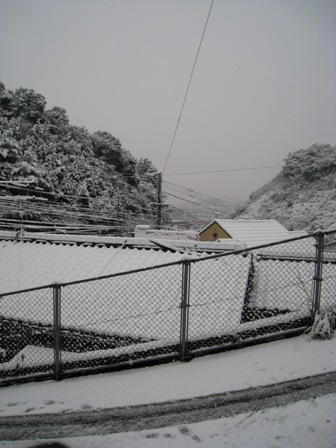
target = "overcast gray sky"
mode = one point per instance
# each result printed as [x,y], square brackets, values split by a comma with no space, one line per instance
[264,83]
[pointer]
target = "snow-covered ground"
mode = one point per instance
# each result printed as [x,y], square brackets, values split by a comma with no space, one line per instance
[306,424]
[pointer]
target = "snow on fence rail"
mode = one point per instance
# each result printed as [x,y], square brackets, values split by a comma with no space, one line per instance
[173,311]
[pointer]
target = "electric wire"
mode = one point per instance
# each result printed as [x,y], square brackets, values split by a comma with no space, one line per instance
[209,207]
[36,202]
[203,203]
[29,208]
[198,195]
[211,194]
[190,215]
[186,93]
[185,200]
[224,171]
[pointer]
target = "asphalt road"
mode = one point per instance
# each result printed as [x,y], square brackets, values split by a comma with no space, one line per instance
[137,418]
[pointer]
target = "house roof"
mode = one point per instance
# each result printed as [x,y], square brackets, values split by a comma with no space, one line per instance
[41,259]
[147,242]
[30,264]
[253,232]
[143,231]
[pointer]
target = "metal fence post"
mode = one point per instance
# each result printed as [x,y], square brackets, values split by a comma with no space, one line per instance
[57,331]
[318,274]
[184,310]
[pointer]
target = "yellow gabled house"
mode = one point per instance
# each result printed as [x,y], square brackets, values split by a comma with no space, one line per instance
[252,232]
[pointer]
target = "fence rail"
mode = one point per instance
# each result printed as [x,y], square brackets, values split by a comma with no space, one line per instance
[169,312]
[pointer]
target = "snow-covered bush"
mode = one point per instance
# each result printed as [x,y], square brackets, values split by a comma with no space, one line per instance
[324,323]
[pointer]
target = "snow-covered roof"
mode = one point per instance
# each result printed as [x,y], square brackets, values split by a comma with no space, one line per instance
[149,232]
[253,232]
[147,242]
[32,264]
[42,259]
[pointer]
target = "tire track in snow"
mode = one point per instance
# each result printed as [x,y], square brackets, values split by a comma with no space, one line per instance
[154,416]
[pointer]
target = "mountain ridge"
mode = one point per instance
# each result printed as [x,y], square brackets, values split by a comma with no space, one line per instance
[303,195]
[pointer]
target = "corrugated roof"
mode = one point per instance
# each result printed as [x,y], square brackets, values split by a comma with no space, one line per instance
[26,265]
[34,263]
[254,232]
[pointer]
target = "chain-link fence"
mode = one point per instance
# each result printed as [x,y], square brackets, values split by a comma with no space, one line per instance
[175,311]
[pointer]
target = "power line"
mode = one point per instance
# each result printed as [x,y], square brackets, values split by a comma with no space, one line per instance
[225,171]
[178,197]
[29,207]
[186,94]
[192,216]
[190,192]
[220,199]
[57,199]
[208,201]
[206,193]
[211,207]
[199,199]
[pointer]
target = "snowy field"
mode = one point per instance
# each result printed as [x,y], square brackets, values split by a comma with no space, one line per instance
[308,424]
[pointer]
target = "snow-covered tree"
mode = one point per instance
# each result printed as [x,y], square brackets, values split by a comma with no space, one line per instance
[66,163]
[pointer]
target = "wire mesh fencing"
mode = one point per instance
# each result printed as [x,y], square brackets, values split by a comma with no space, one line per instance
[202,303]
[328,274]
[253,294]
[27,334]
[121,319]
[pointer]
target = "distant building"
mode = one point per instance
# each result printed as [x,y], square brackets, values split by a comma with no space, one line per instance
[251,232]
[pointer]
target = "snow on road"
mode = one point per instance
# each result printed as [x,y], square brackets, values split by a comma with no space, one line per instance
[307,423]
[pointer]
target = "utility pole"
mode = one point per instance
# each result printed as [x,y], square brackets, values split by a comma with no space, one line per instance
[157,177]
[159,201]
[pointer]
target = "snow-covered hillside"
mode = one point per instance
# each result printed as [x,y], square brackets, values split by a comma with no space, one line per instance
[303,195]
[66,174]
